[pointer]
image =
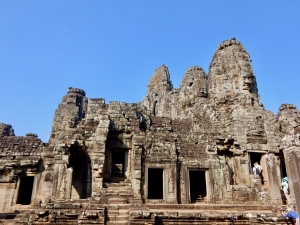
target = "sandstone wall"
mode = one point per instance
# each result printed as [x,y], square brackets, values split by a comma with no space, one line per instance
[213,125]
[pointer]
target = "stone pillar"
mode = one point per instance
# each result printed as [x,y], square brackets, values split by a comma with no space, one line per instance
[44,180]
[7,192]
[274,181]
[292,162]
[172,187]
[138,169]
[96,144]
[184,184]
[296,177]
[69,175]
[59,175]
[241,170]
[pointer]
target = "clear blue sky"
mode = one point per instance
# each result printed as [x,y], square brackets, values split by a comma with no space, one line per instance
[111,48]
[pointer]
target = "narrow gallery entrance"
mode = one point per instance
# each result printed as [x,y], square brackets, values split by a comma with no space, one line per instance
[260,159]
[155,183]
[255,157]
[25,190]
[118,164]
[283,169]
[82,174]
[197,186]
[282,165]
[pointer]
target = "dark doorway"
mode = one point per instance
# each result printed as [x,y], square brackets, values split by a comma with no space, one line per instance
[25,190]
[283,169]
[254,157]
[155,184]
[257,157]
[118,164]
[82,173]
[197,186]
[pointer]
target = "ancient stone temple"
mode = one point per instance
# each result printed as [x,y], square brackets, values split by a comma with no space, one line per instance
[180,156]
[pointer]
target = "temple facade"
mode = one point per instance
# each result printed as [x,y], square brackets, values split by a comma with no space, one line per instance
[180,156]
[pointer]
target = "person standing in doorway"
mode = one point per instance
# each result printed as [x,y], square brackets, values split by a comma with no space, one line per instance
[257,170]
[285,189]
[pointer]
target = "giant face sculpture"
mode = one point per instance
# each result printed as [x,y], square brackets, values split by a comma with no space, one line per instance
[247,82]
[71,122]
[230,72]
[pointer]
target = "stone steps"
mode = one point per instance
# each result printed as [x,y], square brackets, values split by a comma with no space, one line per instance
[120,184]
[118,206]
[118,188]
[117,214]
[198,199]
[113,191]
[117,222]
[207,214]
[117,217]
[204,206]
[117,201]
[117,192]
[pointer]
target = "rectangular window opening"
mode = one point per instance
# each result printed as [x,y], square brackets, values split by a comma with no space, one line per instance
[25,190]
[155,183]
[118,164]
[198,190]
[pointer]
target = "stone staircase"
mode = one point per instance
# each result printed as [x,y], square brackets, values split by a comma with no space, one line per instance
[196,198]
[245,214]
[117,214]
[117,196]
[136,214]
[117,193]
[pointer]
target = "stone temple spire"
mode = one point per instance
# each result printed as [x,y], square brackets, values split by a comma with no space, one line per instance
[230,72]
[158,86]
[193,84]
[68,115]
[160,82]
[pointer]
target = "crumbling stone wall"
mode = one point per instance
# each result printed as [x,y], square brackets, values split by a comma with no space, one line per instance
[19,157]
[70,112]
[6,130]
[213,123]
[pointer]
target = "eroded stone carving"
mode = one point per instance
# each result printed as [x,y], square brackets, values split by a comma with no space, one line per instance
[195,145]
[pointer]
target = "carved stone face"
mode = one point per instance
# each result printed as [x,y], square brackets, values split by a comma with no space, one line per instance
[247,82]
[216,70]
[202,92]
[71,123]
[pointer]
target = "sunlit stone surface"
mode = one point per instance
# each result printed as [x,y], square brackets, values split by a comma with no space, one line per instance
[180,156]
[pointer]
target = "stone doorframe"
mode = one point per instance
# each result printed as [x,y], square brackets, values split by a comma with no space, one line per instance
[208,184]
[127,163]
[165,183]
[262,163]
[33,191]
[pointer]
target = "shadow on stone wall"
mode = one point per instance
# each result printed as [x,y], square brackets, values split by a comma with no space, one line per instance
[82,175]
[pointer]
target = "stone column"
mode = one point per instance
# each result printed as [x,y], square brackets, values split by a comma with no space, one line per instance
[138,178]
[184,184]
[96,143]
[172,188]
[58,175]
[274,181]
[291,151]
[292,162]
